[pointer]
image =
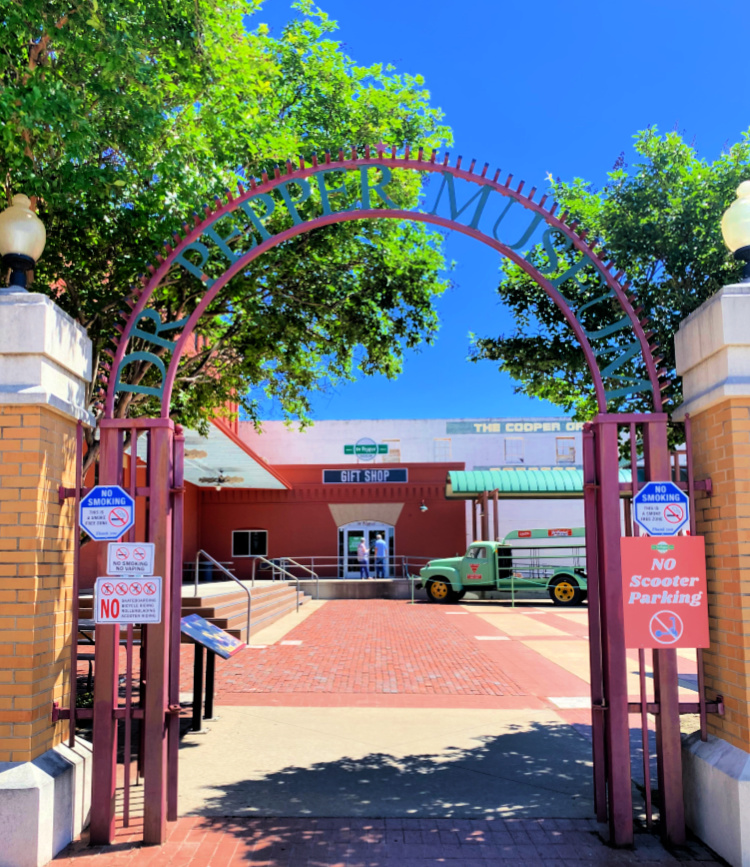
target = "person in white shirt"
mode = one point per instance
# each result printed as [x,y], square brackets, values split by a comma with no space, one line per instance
[381,553]
[363,552]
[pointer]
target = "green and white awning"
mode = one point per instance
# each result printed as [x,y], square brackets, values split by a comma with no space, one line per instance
[519,483]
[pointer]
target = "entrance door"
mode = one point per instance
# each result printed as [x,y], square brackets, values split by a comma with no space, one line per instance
[350,535]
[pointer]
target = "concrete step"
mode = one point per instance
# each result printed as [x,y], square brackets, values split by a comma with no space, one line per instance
[206,596]
[227,606]
[238,618]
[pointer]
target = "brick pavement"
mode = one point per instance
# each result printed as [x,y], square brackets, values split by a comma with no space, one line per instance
[389,653]
[201,842]
[373,646]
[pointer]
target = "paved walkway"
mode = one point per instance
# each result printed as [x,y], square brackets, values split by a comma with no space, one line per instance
[378,732]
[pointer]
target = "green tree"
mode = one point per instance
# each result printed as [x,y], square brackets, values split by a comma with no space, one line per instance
[122,117]
[660,222]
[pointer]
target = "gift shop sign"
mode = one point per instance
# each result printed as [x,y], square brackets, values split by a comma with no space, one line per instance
[127,600]
[664,591]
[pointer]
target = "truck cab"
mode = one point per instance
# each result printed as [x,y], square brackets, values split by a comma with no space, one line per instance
[551,561]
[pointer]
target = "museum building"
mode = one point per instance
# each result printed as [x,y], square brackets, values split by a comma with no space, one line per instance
[314,494]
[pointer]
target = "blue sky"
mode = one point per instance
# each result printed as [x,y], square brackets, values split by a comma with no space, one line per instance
[535,87]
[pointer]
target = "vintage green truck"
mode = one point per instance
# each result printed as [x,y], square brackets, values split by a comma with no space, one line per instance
[522,562]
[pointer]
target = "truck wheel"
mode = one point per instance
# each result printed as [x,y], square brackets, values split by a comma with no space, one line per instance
[564,591]
[441,592]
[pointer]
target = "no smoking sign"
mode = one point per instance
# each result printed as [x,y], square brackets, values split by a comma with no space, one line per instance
[135,558]
[107,512]
[661,509]
[137,600]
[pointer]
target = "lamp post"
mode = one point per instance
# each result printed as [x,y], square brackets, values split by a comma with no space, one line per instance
[735,227]
[22,239]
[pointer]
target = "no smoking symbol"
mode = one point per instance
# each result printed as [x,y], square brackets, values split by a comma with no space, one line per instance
[139,554]
[149,588]
[122,553]
[674,513]
[119,517]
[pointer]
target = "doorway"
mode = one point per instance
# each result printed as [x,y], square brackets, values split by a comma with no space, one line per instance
[350,535]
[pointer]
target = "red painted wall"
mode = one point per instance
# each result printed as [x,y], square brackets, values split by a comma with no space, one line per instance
[299,522]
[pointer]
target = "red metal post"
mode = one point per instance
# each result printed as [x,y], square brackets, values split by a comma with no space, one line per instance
[173,745]
[158,646]
[104,779]
[595,630]
[613,632]
[666,694]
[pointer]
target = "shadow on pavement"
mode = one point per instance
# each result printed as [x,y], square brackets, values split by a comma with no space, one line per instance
[533,770]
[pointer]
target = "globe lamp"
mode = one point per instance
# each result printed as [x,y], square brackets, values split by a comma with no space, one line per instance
[735,227]
[22,239]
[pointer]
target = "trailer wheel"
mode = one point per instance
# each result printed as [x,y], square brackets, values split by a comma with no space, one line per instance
[565,591]
[440,592]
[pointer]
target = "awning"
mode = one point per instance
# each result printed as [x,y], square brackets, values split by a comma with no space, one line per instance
[519,483]
[222,453]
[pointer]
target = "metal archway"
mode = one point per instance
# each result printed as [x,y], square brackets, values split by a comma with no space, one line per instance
[482,215]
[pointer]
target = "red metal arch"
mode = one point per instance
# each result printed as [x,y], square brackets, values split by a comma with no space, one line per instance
[139,299]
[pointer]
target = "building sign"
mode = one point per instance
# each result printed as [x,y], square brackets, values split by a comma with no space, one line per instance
[366,449]
[661,509]
[127,600]
[130,559]
[107,512]
[533,426]
[365,477]
[664,591]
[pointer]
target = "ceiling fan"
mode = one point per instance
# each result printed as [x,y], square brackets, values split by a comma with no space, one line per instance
[221,479]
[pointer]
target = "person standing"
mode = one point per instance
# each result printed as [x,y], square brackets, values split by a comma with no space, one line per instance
[363,552]
[381,553]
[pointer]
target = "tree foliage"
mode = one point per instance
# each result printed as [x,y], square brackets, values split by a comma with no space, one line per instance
[123,117]
[659,220]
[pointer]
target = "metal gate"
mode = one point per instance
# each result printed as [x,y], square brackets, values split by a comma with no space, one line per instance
[620,454]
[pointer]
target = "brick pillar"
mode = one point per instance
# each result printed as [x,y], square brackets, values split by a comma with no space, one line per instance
[45,362]
[713,357]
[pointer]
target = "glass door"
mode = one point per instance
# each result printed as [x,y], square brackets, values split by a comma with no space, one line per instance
[351,535]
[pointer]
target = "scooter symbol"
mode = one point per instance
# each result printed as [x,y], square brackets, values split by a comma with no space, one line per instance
[666,627]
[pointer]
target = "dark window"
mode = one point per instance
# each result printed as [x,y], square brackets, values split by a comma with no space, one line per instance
[250,543]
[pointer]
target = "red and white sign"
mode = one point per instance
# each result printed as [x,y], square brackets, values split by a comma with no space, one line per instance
[135,600]
[136,558]
[555,534]
[664,591]
[524,534]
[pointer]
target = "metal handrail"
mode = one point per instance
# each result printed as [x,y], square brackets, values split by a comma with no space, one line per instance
[280,569]
[233,577]
[314,574]
[397,563]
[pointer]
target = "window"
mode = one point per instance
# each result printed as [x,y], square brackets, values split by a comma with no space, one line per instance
[514,450]
[394,452]
[442,446]
[250,543]
[565,450]
[477,553]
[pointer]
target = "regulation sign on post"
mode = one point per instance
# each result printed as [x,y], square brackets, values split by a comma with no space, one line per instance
[127,600]
[130,558]
[664,591]
[661,509]
[107,513]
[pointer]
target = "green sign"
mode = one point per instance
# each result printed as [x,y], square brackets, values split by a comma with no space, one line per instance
[366,449]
